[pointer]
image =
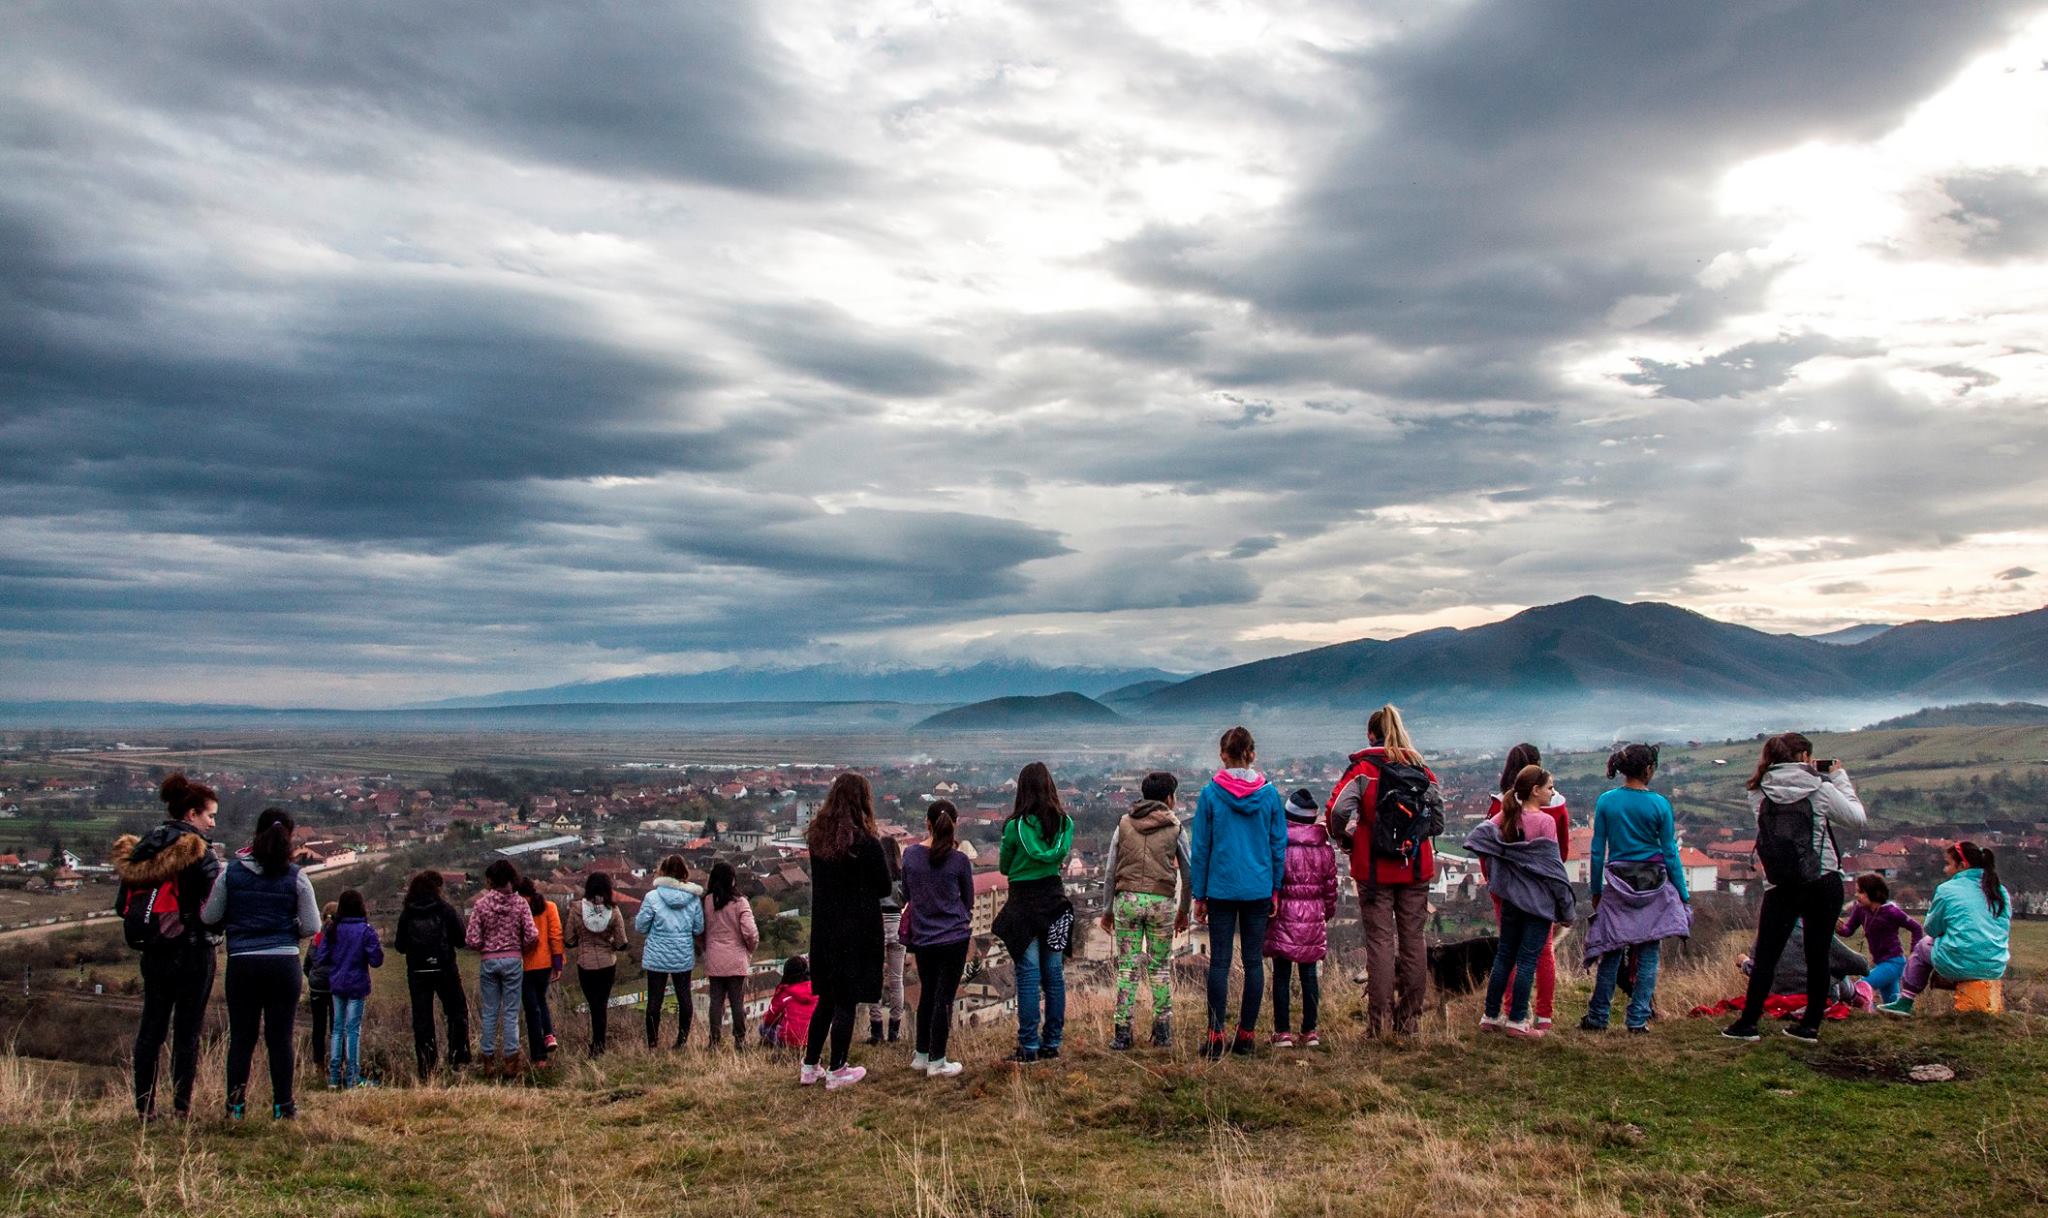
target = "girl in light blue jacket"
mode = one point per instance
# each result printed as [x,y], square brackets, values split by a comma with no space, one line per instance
[1969,929]
[672,919]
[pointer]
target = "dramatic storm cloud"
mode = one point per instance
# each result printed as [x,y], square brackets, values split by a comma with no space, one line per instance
[357,353]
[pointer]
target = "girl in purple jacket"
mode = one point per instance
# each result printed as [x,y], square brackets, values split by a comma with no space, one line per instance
[350,949]
[1299,936]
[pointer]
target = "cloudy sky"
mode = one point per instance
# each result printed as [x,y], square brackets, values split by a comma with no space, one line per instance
[363,352]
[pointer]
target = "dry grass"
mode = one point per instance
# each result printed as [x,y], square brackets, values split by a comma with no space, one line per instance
[1577,1127]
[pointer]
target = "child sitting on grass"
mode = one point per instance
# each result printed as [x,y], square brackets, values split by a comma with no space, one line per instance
[788,1021]
[1881,920]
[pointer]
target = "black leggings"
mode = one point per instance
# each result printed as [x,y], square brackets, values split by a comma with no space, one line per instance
[1817,905]
[731,993]
[540,1021]
[321,1004]
[262,991]
[839,1022]
[597,991]
[657,988]
[176,982]
[938,979]
[1311,994]
[446,985]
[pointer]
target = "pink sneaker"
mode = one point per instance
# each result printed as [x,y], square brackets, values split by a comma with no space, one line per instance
[810,1075]
[1311,1040]
[1282,1040]
[1523,1031]
[844,1077]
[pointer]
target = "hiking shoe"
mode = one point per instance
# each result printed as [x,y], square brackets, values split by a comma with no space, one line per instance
[1639,1029]
[919,1061]
[845,1076]
[1213,1048]
[1048,1053]
[1902,1006]
[1746,1033]
[874,1031]
[1802,1032]
[284,1112]
[237,1111]
[1245,1044]
[895,1030]
[1162,1033]
[1491,1023]
[810,1074]
[1311,1040]
[1282,1040]
[1587,1025]
[1021,1056]
[1120,1041]
[942,1068]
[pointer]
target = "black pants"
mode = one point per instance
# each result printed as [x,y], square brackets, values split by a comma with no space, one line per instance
[1311,994]
[731,993]
[263,993]
[597,991]
[1817,905]
[938,980]
[321,1004]
[446,985]
[540,1021]
[176,984]
[838,1021]
[657,986]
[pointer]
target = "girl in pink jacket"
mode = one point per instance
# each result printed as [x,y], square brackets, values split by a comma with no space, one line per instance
[730,938]
[1299,934]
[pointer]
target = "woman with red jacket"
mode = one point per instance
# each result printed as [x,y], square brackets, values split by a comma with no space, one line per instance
[1520,756]
[1393,877]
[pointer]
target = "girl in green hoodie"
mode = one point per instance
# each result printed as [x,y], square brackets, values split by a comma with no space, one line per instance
[1036,924]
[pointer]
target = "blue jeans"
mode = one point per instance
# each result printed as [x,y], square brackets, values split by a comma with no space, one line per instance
[1884,978]
[1230,922]
[1640,999]
[1521,946]
[345,1046]
[1041,971]
[499,983]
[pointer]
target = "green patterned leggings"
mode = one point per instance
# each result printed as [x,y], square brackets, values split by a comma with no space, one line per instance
[1144,942]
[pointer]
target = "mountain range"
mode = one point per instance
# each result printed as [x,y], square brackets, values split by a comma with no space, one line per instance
[828,683]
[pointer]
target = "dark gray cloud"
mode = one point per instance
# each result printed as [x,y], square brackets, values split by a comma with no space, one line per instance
[2017,573]
[2004,213]
[1743,369]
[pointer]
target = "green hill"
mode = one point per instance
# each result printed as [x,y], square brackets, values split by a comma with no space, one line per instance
[1969,714]
[1051,710]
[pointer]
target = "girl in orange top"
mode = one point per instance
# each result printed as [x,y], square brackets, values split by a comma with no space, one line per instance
[543,965]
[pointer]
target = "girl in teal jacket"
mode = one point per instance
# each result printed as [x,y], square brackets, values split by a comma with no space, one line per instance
[1969,929]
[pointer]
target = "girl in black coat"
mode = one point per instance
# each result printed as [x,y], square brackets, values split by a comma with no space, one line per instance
[849,878]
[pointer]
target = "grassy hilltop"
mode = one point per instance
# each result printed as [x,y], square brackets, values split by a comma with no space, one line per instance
[1679,1122]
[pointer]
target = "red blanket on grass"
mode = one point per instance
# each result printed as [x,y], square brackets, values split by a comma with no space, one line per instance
[1777,1006]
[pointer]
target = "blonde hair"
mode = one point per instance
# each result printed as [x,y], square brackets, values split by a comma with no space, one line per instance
[1384,727]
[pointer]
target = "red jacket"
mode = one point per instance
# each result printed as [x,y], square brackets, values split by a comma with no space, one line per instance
[1558,813]
[788,1021]
[1353,797]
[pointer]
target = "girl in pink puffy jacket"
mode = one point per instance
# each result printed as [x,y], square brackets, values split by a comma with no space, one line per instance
[1299,934]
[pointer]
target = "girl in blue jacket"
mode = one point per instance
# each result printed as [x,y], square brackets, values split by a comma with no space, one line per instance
[1236,860]
[672,918]
[1969,929]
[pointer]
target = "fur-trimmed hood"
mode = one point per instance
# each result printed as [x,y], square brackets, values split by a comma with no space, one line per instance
[168,849]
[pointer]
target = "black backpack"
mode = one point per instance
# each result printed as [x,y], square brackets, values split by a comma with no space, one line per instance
[427,945]
[150,917]
[1407,811]
[1785,844]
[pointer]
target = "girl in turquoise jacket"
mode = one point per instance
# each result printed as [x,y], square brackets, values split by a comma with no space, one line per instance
[1969,929]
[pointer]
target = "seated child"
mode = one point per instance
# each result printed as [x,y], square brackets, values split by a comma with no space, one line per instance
[788,1021]
[1969,929]
[1881,920]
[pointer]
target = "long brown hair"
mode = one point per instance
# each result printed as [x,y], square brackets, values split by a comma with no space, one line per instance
[846,816]
[1038,797]
[1520,756]
[1527,779]
[942,818]
[1385,729]
[1970,854]
[1781,749]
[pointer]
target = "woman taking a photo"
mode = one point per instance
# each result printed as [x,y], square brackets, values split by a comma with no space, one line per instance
[1036,924]
[849,878]
[265,906]
[1796,802]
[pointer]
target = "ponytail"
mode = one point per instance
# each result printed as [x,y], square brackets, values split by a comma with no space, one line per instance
[941,818]
[1512,800]
[1385,729]
[271,848]
[1972,855]
[1782,749]
[1637,761]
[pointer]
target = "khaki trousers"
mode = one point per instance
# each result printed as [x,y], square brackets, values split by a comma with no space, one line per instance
[1396,956]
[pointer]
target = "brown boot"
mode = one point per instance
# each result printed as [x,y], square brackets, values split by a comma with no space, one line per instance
[515,1066]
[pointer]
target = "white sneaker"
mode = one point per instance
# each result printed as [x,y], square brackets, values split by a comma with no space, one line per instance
[1492,1023]
[919,1061]
[1523,1030]
[846,1076]
[811,1075]
[942,1068]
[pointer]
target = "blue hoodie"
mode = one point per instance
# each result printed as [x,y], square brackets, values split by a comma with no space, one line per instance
[1239,847]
